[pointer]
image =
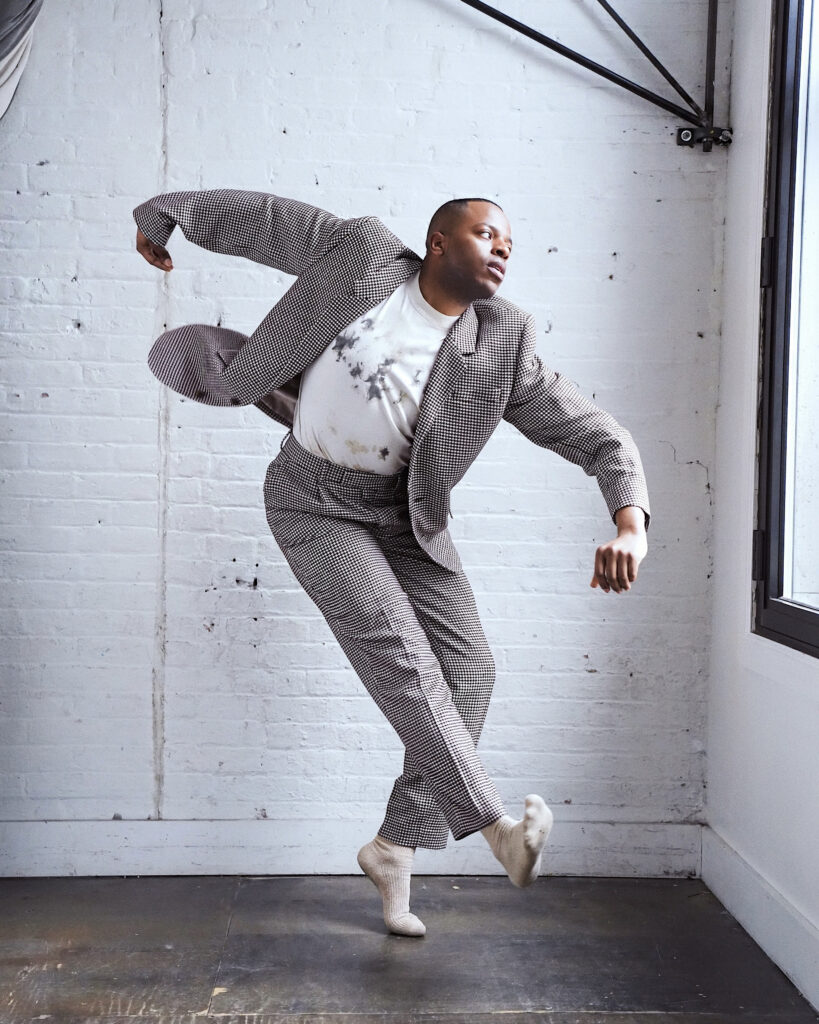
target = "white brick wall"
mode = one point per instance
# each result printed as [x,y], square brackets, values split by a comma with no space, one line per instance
[145,673]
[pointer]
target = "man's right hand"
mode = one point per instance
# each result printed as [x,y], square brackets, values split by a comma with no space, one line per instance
[156,255]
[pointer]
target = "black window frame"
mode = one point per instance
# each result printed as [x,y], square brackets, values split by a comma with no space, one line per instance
[776,617]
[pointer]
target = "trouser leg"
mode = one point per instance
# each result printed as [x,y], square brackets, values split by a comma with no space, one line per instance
[444,605]
[345,571]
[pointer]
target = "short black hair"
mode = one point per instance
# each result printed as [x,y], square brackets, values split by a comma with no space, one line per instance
[446,213]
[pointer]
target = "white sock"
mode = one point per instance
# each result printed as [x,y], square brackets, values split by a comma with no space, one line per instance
[518,844]
[389,867]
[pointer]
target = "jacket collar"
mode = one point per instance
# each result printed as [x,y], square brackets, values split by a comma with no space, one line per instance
[464,332]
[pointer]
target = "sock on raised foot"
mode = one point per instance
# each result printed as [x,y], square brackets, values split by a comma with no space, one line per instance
[518,844]
[389,868]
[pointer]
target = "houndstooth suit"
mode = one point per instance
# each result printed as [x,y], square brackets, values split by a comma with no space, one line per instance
[374,552]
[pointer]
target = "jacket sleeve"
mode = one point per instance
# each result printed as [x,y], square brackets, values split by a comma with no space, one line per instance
[551,412]
[280,233]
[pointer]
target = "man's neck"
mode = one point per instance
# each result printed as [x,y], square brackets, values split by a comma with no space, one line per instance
[437,296]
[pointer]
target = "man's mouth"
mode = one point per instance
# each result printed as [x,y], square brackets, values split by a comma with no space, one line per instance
[497,269]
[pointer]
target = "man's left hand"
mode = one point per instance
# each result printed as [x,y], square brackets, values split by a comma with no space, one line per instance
[616,563]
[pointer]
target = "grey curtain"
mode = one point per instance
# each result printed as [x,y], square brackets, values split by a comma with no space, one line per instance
[17,19]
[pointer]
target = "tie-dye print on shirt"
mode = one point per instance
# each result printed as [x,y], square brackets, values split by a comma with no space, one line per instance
[359,400]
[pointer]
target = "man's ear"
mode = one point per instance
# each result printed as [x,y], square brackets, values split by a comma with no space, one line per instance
[437,243]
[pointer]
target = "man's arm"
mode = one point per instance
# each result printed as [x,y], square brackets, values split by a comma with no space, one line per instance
[280,233]
[551,412]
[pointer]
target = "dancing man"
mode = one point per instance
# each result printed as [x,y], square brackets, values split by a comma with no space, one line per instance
[391,373]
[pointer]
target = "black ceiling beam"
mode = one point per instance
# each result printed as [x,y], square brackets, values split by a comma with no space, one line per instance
[641,46]
[703,119]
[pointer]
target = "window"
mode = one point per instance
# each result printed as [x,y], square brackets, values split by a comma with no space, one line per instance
[786,563]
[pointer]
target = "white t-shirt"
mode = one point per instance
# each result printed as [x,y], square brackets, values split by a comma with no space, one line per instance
[358,403]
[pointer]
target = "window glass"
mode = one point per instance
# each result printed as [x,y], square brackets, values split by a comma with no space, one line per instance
[800,582]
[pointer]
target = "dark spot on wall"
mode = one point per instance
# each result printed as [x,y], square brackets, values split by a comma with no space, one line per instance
[700,334]
[383,453]
[43,394]
[355,372]
[42,163]
[552,248]
[77,325]
[116,817]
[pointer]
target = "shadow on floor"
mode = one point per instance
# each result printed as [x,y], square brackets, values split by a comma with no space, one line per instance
[313,950]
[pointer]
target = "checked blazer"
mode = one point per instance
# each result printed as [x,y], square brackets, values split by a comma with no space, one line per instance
[486,369]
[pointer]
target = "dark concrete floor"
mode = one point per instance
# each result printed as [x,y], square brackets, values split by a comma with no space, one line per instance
[313,950]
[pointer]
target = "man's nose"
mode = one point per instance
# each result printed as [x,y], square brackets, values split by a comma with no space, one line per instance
[502,249]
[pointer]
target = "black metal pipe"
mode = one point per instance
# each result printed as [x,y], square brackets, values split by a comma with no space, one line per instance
[710,62]
[641,46]
[590,65]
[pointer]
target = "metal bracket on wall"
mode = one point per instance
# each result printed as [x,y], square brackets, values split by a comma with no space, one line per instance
[701,117]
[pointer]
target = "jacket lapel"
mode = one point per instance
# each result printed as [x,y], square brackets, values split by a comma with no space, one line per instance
[342,310]
[449,364]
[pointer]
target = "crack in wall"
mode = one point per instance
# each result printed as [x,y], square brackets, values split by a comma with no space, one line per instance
[693,462]
[163,438]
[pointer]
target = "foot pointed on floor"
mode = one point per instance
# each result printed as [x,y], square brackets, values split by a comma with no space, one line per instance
[389,868]
[518,845]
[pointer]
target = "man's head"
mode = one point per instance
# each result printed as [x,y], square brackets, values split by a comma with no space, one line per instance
[468,245]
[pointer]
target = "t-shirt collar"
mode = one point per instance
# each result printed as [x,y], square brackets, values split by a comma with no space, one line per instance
[429,313]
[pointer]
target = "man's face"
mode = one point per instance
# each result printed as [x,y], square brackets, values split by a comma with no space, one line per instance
[476,250]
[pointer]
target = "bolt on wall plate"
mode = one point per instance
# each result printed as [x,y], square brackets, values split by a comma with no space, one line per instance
[707,136]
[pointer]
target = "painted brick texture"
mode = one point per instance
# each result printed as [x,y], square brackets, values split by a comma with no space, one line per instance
[159,660]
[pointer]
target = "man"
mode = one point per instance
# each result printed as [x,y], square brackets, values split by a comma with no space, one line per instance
[393,372]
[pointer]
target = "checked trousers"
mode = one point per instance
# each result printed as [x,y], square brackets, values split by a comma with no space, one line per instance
[408,626]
